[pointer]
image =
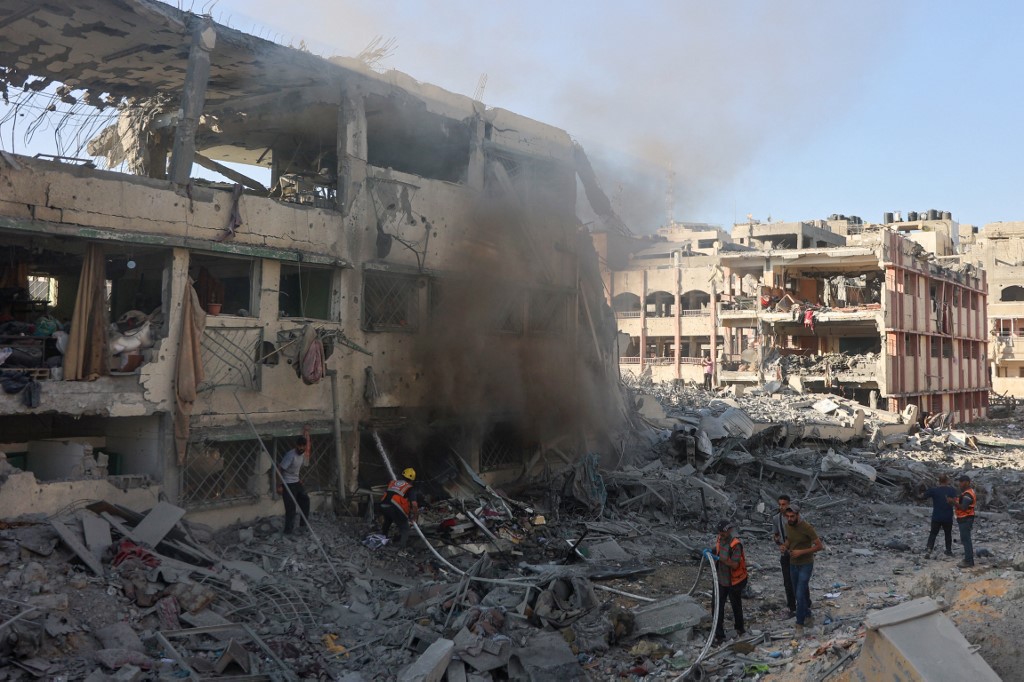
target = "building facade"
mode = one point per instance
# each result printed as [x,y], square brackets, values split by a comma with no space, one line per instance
[413,270]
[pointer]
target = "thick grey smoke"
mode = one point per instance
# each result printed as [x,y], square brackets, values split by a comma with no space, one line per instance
[704,85]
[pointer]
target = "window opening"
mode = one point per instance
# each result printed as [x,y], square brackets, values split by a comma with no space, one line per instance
[224,285]
[390,302]
[305,292]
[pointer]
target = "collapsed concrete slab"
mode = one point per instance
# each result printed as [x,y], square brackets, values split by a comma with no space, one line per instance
[915,642]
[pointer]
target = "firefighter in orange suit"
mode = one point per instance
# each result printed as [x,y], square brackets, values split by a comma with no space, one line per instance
[400,505]
[963,508]
[732,578]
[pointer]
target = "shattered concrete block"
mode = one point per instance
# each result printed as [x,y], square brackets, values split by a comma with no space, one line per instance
[668,615]
[546,658]
[432,663]
[119,635]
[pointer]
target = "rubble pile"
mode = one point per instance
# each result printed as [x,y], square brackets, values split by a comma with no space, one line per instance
[595,572]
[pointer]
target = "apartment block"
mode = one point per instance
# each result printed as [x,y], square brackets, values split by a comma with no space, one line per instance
[998,248]
[837,305]
[412,269]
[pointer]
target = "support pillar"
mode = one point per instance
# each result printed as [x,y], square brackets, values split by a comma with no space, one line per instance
[475,172]
[679,321]
[352,150]
[193,98]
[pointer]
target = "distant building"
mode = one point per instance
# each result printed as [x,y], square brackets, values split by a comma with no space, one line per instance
[998,248]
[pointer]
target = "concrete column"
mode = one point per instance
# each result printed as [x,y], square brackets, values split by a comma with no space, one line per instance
[352,149]
[477,160]
[193,97]
[643,319]
[679,321]
[714,333]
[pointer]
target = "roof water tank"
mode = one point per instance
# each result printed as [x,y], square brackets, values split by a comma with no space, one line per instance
[887,217]
[911,216]
[946,215]
[933,214]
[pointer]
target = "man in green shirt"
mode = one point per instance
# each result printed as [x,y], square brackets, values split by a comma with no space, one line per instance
[801,542]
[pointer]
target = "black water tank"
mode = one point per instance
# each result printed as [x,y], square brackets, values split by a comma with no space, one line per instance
[933,214]
[946,215]
[887,217]
[911,216]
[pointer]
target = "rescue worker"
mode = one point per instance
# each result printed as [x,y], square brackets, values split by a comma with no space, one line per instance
[288,470]
[399,505]
[942,514]
[802,542]
[963,509]
[732,578]
[779,534]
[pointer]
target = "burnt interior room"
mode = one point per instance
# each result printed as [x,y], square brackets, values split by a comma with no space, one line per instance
[39,281]
[401,134]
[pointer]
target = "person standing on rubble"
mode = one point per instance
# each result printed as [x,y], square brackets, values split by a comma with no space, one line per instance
[964,510]
[942,514]
[709,370]
[779,534]
[732,578]
[802,542]
[399,505]
[288,470]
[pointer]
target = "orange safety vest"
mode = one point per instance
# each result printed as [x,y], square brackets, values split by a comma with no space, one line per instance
[396,494]
[739,573]
[964,513]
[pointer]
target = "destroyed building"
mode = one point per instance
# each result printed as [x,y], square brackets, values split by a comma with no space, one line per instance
[660,289]
[414,267]
[835,305]
[998,248]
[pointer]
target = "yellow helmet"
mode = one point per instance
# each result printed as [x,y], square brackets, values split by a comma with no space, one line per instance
[409,474]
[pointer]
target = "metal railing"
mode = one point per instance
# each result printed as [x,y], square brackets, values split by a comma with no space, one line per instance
[627,314]
[629,360]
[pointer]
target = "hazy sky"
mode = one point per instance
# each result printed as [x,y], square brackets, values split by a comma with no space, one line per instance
[788,108]
[785,108]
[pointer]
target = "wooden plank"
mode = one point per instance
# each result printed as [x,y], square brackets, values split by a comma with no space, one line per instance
[97,534]
[157,524]
[77,547]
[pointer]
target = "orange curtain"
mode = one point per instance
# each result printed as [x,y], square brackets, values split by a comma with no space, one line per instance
[189,371]
[86,357]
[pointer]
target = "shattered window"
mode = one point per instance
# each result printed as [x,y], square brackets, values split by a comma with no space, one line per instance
[390,302]
[220,471]
[947,348]
[319,474]
[511,315]
[935,347]
[547,312]
[910,345]
[305,292]
[224,285]
[502,448]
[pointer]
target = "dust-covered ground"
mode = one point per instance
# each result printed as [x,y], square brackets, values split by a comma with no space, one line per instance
[330,607]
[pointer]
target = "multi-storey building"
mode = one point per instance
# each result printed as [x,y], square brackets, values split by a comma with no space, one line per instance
[833,305]
[428,243]
[999,249]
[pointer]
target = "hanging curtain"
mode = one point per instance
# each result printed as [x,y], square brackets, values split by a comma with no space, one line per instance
[189,371]
[87,357]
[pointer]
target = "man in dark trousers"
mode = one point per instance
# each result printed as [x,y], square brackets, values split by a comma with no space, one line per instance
[400,505]
[732,578]
[964,512]
[288,470]
[942,514]
[779,534]
[802,542]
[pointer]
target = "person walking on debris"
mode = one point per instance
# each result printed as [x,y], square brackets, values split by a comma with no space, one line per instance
[942,514]
[779,534]
[732,578]
[802,542]
[709,370]
[399,505]
[288,470]
[964,510]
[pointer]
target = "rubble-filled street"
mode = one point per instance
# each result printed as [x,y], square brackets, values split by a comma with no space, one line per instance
[595,573]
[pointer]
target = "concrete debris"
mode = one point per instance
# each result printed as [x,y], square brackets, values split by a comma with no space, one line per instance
[593,573]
